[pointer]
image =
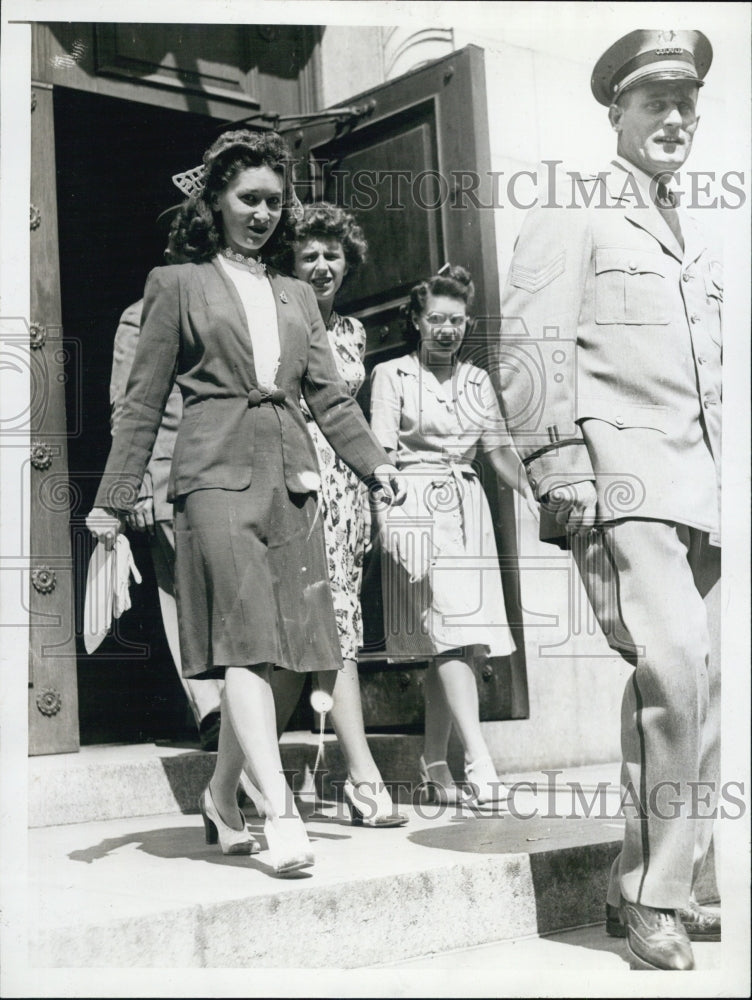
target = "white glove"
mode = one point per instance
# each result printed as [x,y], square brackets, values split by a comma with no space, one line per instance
[124,567]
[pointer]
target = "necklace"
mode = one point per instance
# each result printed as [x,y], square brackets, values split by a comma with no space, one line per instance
[254,266]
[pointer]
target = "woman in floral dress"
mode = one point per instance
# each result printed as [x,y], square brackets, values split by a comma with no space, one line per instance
[328,247]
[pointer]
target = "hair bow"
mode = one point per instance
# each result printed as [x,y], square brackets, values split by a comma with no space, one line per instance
[190,182]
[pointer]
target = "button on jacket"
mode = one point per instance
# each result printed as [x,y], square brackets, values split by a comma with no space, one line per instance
[194,328]
[626,326]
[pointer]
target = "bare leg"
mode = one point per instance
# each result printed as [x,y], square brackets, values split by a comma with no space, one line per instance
[286,688]
[248,706]
[457,680]
[347,717]
[228,765]
[438,724]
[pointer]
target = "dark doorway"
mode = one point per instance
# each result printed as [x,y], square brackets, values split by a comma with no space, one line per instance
[114,165]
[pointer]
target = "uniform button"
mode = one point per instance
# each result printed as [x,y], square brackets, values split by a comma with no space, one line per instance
[533,482]
[708,401]
[700,359]
[619,420]
[632,266]
[686,276]
[694,318]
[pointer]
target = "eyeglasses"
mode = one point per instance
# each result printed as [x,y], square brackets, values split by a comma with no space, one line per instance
[441,319]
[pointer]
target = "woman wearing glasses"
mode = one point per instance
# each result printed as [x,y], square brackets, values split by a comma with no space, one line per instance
[443,598]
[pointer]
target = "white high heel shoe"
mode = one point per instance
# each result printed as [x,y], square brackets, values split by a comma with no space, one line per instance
[288,844]
[439,783]
[231,841]
[371,804]
[486,791]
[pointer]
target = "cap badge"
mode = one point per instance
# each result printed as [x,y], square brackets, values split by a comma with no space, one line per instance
[666,48]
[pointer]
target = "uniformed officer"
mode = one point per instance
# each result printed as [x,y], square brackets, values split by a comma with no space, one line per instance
[624,435]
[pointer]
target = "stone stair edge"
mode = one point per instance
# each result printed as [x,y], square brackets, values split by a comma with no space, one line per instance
[493,899]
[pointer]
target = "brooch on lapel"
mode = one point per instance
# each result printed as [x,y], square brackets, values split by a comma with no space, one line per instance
[283,296]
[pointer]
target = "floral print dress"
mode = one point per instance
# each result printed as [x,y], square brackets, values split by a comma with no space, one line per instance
[342,494]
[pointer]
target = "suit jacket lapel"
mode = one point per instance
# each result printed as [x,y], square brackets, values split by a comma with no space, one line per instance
[639,209]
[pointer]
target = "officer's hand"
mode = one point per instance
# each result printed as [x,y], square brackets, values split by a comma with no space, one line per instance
[141,518]
[575,506]
[390,486]
[105,525]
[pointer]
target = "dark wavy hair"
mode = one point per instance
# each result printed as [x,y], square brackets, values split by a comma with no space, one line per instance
[452,280]
[197,231]
[327,221]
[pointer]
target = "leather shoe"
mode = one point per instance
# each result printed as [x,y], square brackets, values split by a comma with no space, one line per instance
[656,938]
[700,922]
[614,926]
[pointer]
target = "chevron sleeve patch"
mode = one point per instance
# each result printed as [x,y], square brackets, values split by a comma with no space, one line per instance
[533,279]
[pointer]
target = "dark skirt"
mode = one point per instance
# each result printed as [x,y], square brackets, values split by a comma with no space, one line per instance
[251,577]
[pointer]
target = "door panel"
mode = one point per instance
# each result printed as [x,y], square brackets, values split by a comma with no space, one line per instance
[261,66]
[363,178]
[53,696]
[220,70]
[397,168]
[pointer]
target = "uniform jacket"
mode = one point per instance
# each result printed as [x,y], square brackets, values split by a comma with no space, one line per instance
[158,471]
[610,356]
[194,329]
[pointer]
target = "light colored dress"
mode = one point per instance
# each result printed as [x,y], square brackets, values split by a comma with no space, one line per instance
[342,495]
[440,573]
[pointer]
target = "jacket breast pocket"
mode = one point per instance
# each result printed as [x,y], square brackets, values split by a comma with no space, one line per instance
[630,287]
[622,414]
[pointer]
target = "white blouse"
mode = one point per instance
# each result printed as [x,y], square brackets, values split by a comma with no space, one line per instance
[256,294]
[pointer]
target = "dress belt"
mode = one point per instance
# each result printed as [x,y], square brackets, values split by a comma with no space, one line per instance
[448,470]
[266,394]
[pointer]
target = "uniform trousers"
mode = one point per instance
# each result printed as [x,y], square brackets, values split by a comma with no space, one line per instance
[655,589]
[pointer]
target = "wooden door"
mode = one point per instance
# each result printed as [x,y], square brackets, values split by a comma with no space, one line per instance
[405,168]
[208,75]
[53,696]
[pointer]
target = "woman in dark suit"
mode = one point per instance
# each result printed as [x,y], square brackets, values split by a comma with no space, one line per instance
[244,343]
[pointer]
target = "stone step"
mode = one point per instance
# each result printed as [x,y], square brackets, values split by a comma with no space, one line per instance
[119,873]
[120,781]
[148,892]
